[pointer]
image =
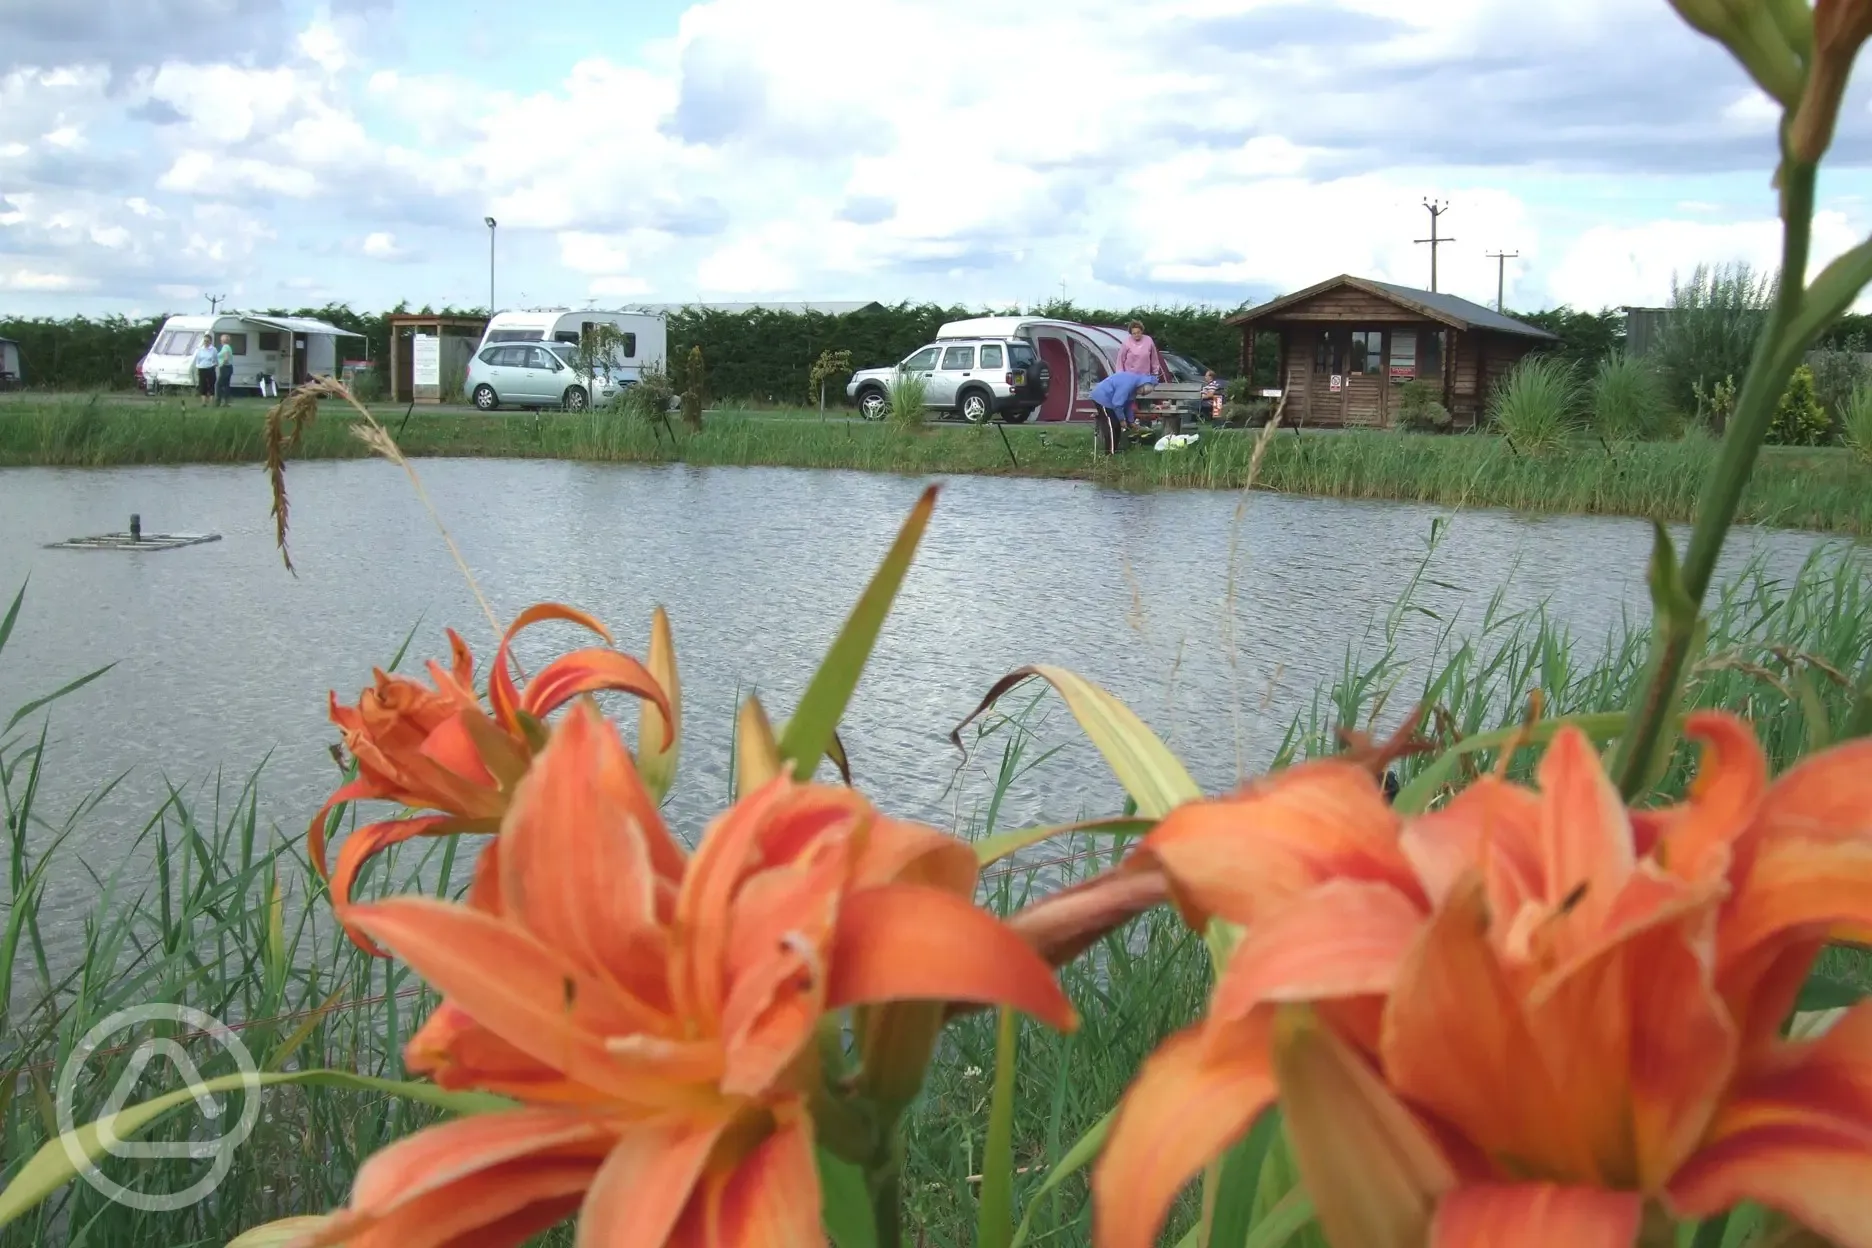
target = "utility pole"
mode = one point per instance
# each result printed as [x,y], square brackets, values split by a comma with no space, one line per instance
[1501,259]
[1436,210]
[214,303]
[491,223]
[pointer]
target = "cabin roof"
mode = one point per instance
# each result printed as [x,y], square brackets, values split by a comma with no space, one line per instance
[1451,310]
[297,324]
[835,307]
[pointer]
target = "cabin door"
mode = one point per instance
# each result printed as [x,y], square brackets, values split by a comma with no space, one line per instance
[1326,389]
[301,363]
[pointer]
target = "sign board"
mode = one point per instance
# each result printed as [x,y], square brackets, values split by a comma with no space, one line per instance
[426,360]
[1403,372]
[1337,381]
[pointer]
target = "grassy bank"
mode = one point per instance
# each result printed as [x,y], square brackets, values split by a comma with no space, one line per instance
[1822,489]
[221,915]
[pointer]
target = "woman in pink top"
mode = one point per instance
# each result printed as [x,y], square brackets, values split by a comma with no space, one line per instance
[1138,354]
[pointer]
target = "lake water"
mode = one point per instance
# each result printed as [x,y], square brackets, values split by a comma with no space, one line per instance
[224,659]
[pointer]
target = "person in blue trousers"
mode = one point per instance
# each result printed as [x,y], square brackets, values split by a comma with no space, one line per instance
[1117,398]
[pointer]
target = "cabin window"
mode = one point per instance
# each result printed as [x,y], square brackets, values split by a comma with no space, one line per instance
[630,346]
[1368,352]
[1430,355]
[991,356]
[566,336]
[177,342]
[958,359]
[514,335]
[1403,355]
[1020,355]
[921,361]
[1329,358]
[269,342]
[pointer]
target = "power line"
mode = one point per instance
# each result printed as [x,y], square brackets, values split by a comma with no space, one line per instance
[1436,210]
[1501,259]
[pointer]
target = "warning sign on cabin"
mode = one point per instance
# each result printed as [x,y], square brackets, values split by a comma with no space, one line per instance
[1337,381]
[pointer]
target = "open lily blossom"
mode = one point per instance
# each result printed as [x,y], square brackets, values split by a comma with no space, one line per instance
[435,748]
[1534,1017]
[654,1012]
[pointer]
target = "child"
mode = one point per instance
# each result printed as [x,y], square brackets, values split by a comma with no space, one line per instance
[1212,395]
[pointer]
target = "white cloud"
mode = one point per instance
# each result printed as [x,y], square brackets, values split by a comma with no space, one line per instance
[624,287]
[42,282]
[593,253]
[1641,260]
[381,246]
[322,44]
[201,172]
[65,136]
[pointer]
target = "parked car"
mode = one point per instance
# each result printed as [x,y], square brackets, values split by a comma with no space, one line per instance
[539,374]
[971,378]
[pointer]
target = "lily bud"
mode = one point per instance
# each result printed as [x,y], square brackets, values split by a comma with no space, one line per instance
[1756,37]
[659,738]
[1839,28]
[1373,1171]
[757,755]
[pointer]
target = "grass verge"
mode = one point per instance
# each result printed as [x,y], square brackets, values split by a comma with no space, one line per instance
[1824,489]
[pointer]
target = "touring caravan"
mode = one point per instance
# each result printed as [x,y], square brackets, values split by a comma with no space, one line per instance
[282,350]
[1077,357]
[645,335]
[12,372]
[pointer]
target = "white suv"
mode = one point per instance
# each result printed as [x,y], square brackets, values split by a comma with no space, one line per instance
[973,378]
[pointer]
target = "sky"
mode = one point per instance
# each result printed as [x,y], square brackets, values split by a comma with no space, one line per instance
[154,153]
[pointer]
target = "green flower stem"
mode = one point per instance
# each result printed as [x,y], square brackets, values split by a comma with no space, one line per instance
[1776,354]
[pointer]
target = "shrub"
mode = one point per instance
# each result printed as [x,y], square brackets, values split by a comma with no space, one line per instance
[1799,420]
[1628,399]
[1839,373]
[1715,405]
[1710,330]
[906,399]
[1537,406]
[695,382]
[829,367]
[653,395]
[1419,410]
[367,385]
[1855,422]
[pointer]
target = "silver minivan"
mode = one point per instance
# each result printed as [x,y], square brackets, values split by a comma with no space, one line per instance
[535,374]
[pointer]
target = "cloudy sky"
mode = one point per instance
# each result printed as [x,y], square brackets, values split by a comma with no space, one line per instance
[153,152]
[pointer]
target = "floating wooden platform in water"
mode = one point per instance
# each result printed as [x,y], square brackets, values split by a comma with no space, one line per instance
[143,541]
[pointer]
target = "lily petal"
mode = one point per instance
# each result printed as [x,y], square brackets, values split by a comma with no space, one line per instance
[1801,887]
[1797,1138]
[575,867]
[771,1199]
[904,942]
[590,671]
[894,852]
[659,729]
[1536,1215]
[639,1196]
[1456,1042]
[533,997]
[1491,826]
[1586,838]
[1683,1054]
[1192,1099]
[1342,939]
[1279,837]
[1065,924]
[372,839]
[502,695]
[1730,783]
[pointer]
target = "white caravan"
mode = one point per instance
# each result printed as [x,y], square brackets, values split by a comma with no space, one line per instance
[283,350]
[645,334]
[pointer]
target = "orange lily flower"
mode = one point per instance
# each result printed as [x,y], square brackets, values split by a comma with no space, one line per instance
[437,749]
[1536,1017]
[656,1013]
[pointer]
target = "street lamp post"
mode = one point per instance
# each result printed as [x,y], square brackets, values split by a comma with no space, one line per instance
[490,224]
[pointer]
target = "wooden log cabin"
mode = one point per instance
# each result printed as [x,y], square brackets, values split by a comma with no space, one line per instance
[1348,345]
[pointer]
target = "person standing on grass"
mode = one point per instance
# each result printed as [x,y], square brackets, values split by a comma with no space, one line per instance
[224,379]
[205,364]
[1139,354]
[1117,397]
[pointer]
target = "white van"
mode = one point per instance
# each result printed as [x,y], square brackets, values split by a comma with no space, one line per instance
[645,334]
[285,350]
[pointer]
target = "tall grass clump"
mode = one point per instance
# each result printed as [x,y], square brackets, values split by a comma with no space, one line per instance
[1855,423]
[1537,406]
[1628,400]
[907,392]
[1710,329]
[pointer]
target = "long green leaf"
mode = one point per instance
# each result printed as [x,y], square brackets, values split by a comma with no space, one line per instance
[995,1217]
[1232,1212]
[6,625]
[1077,1158]
[1292,1214]
[845,1207]
[1144,765]
[1414,797]
[1834,291]
[54,696]
[992,849]
[51,1167]
[808,734]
